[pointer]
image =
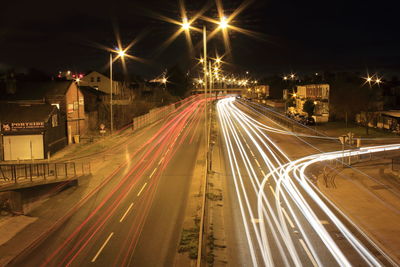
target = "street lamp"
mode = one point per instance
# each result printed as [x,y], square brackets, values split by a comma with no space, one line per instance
[121,53]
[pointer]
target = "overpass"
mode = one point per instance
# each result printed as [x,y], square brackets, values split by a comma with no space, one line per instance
[226,91]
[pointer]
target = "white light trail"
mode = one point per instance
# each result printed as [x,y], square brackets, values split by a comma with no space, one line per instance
[283,196]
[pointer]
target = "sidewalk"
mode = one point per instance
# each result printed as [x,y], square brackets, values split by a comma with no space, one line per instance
[18,233]
[371,198]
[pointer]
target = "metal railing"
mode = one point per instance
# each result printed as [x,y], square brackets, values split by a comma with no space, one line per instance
[23,172]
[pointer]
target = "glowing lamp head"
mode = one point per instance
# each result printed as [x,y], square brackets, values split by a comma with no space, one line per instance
[185,25]
[369,79]
[121,53]
[294,95]
[164,80]
[378,81]
[223,24]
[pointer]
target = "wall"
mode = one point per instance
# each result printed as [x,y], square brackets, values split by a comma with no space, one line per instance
[76,122]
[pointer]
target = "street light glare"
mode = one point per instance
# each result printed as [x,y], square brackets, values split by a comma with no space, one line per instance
[185,25]
[121,53]
[223,24]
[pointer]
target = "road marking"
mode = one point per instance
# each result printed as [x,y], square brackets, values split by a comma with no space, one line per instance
[161,160]
[323,222]
[273,192]
[153,173]
[102,247]
[251,152]
[258,163]
[308,252]
[287,218]
[263,173]
[126,212]
[142,189]
[256,220]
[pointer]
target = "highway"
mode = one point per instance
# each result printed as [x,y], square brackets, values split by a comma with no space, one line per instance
[134,217]
[283,219]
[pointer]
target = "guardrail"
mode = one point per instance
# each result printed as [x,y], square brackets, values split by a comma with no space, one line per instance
[22,172]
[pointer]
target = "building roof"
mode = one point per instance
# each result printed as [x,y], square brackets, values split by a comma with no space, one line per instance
[13,112]
[39,90]
[91,90]
[392,113]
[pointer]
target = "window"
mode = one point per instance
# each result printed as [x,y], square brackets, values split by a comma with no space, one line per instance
[98,79]
[70,108]
[76,106]
[54,120]
[92,79]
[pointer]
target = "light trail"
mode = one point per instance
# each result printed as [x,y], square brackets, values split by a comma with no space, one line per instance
[161,145]
[273,205]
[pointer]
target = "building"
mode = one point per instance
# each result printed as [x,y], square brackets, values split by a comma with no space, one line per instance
[30,131]
[96,106]
[319,94]
[101,82]
[65,95]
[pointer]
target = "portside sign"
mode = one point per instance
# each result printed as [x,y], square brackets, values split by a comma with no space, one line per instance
[15,126]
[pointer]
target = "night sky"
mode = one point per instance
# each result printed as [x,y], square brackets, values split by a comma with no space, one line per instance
[293,35]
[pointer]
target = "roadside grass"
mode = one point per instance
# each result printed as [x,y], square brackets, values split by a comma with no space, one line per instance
[338,128]
[190,240]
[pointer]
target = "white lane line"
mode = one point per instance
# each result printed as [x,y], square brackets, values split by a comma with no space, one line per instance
[308,252]
[273,191]
[251,152]
[142,189]
[161,160]
[151,175]
[258,163]
[263,173]
[126,212]
[287,217]
[102,247]
[256,220]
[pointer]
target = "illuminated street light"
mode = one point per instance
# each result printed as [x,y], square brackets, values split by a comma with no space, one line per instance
[378,81]
[294,95]
[121,53]
[285,78]
[223,24]
[185,25]
[292,76]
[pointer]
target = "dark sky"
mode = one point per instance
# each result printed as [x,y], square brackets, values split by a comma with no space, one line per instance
[292,35]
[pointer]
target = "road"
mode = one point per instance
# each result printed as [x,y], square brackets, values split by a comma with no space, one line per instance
[134,218]
[282,219]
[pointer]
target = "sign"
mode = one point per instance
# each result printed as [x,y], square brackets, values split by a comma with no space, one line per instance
[15,126]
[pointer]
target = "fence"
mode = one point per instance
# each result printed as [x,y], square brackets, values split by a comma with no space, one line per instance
[42,171]
[154,115]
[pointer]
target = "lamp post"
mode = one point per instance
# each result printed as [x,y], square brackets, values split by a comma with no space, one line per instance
[121,54]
